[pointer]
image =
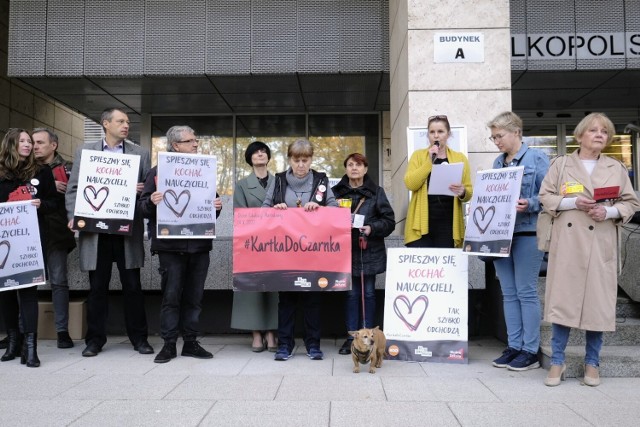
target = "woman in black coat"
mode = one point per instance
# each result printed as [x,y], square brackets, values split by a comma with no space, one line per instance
[373,220]
[21,178]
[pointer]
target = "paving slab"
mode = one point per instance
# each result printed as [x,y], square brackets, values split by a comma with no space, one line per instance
[384,414]
[122,387]
[435,389]
[331,388]
[471,414]
[216,387]
[268,414]
[36,412]
[150,413]
[618,414]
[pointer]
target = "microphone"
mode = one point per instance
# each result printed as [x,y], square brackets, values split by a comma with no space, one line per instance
[433,156]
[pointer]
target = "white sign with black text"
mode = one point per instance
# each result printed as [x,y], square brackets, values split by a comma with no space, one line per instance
[492,213]
[426,305]
[458,47]
[21,262]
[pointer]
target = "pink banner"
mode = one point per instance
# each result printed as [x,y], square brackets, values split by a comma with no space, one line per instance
[291,250]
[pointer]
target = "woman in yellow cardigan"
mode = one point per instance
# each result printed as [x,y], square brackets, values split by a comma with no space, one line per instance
[435,221]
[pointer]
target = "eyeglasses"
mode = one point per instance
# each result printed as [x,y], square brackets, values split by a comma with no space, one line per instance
[188,141]
[438,118]
[497,137]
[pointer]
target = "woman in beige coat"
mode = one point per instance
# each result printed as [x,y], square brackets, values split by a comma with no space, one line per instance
[582,274]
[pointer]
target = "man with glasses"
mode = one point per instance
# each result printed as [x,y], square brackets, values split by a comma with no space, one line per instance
[98,251]
[184,264]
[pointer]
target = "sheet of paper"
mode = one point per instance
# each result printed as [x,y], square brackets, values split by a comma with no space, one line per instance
[442,176]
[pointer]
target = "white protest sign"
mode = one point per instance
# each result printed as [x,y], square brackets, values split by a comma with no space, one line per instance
[492,213]
[425,310]
[106,198]
[188,184]
[21,263]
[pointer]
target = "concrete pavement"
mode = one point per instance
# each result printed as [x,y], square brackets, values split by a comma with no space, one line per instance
[241,388]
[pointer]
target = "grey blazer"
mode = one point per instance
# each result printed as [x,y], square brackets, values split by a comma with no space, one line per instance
[249,193]
[88,242]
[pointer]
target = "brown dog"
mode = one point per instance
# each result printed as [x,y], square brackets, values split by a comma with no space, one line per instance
[368,346]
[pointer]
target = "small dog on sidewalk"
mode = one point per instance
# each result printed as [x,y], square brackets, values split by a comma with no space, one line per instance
[368,346]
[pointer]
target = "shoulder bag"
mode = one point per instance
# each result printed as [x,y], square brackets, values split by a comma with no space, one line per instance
[544,225]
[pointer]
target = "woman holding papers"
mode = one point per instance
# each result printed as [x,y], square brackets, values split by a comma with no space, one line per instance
[518,273]
[255,311]
[304,188]
[373,220]
[21,178]
[594,198]
[435,220]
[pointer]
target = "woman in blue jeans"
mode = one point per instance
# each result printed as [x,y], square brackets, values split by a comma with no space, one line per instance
[582,277]
[370,206]
[518,273]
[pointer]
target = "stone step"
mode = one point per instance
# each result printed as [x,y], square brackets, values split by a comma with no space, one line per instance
[615,361]
[627,333]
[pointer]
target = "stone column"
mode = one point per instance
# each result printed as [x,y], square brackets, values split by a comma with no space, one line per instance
[469,93]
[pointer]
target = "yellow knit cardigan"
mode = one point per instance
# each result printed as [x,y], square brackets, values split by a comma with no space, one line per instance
[417,222]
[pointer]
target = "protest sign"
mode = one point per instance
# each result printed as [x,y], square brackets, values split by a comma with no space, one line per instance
[188,185]
[106,197]
[492,213]
[291,249]
[21,263]
[425,310]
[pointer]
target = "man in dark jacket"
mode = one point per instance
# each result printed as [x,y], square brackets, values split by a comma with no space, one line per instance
[184,264]
[60,240]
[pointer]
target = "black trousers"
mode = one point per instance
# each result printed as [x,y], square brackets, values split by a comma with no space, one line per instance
[182,281]
[110,250]
[311,302]
[20,303]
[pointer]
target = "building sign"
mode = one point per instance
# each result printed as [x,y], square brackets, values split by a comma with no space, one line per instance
[458,47]
[575,46]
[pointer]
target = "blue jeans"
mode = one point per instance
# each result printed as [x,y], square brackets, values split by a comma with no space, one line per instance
[311,305]
[559,341]
[353,303]
[57,269]
[518,274]
[182,282]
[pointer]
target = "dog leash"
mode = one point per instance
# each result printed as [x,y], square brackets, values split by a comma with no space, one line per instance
[362,243]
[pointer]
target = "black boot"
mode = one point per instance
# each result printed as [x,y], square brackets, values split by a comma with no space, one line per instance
[193,349]
[14,346]
[167,353]
[30,350]
[4,342]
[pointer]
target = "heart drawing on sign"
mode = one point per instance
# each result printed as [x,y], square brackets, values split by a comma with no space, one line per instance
[175,202]
[483,218]
[95,198]
[411,313]
[4,253]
